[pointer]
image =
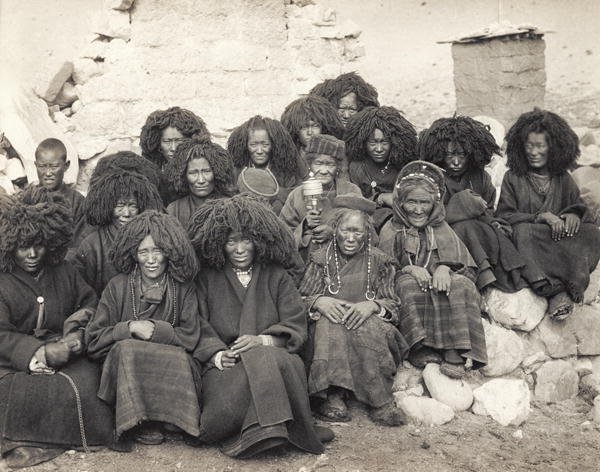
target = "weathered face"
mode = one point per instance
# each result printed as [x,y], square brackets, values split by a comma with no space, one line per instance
[311,128]
[239,250]
[455,160]
[378,147]
[151,259]
[30,259]
[536,149]
[351,233]
[259,147]
[324,168]
[169,140]
[418,205]
[347,107]
[200,177]
[125,209]
[51,166]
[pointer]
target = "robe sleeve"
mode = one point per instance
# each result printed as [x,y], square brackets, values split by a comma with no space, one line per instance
[387,238]
[294,219]
[85,261]
[385,295]
[508,207]
[574,201]
[312,285]
[292,316]
[86,302]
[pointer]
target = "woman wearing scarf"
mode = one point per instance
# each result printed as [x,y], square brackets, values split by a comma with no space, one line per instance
[354,347]
[441,307]
[254,389]
[542,203]
[146,328]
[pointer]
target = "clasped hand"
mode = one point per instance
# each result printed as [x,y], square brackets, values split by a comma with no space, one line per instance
[566,225]
[351,315]
[440,281]
[141,329]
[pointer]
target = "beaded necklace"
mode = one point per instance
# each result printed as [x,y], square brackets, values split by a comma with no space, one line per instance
[429,251]
[133,280]
[244,276]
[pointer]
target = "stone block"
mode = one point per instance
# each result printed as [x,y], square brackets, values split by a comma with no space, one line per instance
[585,323]
[66,96]
[85,69]
[534,361]
[505,350]
[406,377]
[596,411]
[589,387]
[50,78]
[558,339]
[556,381]
[457,394]
[522,310]
[505,400]
[122,5]
[424,410]
[583,366]
[113,24]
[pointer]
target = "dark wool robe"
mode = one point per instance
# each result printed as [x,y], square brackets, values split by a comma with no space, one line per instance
[498,261]
[551,266]
[154,379]
[261,402]
[184,208]
[41,410]
[91,258]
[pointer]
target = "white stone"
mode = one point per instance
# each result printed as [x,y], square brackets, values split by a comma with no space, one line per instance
[114,24]
[596,410]
[589,387]
[583,366]
[457,394]
[85,69]
[76,106]
[505,350]
[522,310]
[518,434]
[556,381]
[95,49]
[505,400]
[49,80]
[424,410]
[534,361]
[66,96]
[90,147]
[590,156]
[406,377]
[123,5]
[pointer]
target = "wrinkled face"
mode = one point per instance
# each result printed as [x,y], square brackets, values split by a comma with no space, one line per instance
[536,149]
[324,168]
[169,140]
[347,107]
[259,147]
[311,128]
[378,147]
[351,233]
[239,251]
[418,205]
[30,259]
[455,160]
[125,209]
[200,177]
[151,259]
[51,167]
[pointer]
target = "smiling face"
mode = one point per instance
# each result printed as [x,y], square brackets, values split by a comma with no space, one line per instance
[378,147]
[536,149]
[351,233]
[169,140]
[239,251]
[311,128]
[151,259]
[200,178]
[347,107]
[125,209]
[418,205]
[51,166]
[259,147]
[30,259]
[455,160]
[324,168]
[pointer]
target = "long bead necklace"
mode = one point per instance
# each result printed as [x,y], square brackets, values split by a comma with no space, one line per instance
[170,294]
[429,251]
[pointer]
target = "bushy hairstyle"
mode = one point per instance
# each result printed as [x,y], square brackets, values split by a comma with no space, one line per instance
[474,137]
[115,184]
[188,124]
[168,235]
[400,132]
[54,145]
[563,143]
[284,154]
[126,161]
[219,159]
[212,223]
[311,107]
[34,217]
[334,89]
[336,215]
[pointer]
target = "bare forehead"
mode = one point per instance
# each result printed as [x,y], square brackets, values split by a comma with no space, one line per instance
[171,132]
[50,155]
[534,137]
[419,193]
[198,163]
[353,218]
[258,134]
[147,242]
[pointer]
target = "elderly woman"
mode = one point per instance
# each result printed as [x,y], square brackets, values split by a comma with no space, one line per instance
[324,155]
[348,93]
[355,347]
[113,199]
[463,147]
[254,389]
[307,117]
[441,307]
[162,133]
[47,390]
[542,203]
[146,329]
[379,142]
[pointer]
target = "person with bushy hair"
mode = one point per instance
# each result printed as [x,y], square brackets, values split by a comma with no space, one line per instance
[254,388]
[541,201]
[349,93]
[200,171]
[162,133]
[44,308]
[463,147]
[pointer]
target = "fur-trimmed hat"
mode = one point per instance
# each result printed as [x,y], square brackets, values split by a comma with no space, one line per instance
[355,202]
[328,145]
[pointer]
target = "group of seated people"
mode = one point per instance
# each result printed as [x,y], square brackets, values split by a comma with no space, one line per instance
[208,293]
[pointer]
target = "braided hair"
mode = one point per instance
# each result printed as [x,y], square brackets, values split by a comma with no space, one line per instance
[563,143]
[186,122]
[126,161]
[333,90]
